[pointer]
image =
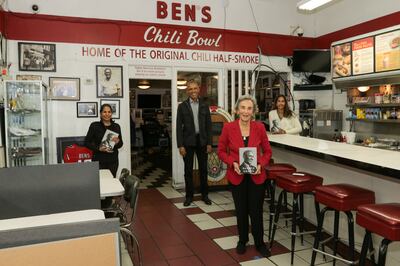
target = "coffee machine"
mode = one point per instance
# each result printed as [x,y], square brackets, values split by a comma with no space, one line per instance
[305,116]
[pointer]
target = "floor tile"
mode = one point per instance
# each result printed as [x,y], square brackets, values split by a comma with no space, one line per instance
[208,224]
[284,259]
[199,217]
[258,262]
[179,205]
[228,242]
[194,210]
[218,232]
[178,251]
[221,214]
[220,258]
[228,221]
[192,261]
[211,208]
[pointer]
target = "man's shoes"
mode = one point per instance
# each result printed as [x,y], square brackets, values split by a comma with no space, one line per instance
[187,202]
[206,200]
[263,251]
[241,248]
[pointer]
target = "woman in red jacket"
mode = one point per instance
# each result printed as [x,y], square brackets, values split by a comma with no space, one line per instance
[247,189]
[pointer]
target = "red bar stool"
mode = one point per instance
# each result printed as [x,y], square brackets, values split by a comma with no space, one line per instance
[272,171]
[381,219]
[337,198]
[298,183]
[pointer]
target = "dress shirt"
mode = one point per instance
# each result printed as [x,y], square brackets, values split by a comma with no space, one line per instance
[195,109]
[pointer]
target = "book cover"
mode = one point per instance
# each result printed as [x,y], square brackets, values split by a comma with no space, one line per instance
[248,160]
[108,139]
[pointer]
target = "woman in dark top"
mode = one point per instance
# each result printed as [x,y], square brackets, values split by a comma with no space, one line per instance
[107,158]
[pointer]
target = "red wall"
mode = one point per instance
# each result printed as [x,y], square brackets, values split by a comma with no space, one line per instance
[35,27]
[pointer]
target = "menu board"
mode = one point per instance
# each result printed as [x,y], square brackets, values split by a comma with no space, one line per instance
[341,60]
[387,51]
[363,56]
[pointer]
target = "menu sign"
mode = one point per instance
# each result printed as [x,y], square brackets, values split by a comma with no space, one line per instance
[387,51]
[341,60]
[363,56]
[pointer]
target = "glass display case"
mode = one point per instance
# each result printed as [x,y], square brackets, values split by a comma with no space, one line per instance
[25,123]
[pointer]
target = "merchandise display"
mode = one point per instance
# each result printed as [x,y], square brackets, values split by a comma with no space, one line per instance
[25,123]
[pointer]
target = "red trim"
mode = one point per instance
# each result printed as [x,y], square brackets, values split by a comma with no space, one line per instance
[30,27]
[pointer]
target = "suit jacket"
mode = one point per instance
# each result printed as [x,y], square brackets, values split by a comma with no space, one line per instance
[231,140]
[185,131]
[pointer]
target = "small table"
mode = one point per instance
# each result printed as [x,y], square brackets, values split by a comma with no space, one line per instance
[109,186]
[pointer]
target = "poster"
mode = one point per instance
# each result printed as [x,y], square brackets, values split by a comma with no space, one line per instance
[341,60]
[387,51]
[363,56]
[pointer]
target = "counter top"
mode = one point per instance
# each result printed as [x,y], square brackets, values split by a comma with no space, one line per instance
[376,160]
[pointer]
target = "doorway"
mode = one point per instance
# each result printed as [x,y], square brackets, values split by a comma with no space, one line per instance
[151,117]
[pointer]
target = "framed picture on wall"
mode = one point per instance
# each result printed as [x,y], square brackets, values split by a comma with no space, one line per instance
[72,149]
[28,77]
[114,106]
[64,88]
[109,81]
[86,109]
[37,57]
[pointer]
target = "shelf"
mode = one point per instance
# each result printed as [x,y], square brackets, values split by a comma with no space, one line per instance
[373,105]
[24,111]
[375,120]
[312,87]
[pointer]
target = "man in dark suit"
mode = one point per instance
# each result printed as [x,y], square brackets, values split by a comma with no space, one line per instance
[193,133]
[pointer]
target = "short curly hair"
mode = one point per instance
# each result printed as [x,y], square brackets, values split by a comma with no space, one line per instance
[244,98]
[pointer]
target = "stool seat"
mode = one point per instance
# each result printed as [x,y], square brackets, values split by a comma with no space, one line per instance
[343,197]
[382,219]
[273,170]
[298,182]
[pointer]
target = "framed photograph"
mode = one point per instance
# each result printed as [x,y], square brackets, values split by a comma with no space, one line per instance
[114,106]
[29,77]
[64,88]
[86,109]
[37,57]
[109,81]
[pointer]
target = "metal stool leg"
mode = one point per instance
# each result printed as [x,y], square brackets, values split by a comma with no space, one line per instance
[276,218]
[272,208]
[365,246]
[318,234]
[293,233]
[301,218]
[350,221]
[382,252]
[335,235]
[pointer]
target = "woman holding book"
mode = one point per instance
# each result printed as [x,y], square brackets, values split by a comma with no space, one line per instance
[104,139]
[237,138]
[282,120]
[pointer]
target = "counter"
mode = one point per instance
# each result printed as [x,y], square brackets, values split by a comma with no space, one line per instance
[383,162]
[373,169]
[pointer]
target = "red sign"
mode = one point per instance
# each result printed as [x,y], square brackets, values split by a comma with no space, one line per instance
[186,12]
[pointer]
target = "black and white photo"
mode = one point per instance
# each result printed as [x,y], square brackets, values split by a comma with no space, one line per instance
[109,81]
[114,107]
[248,160]
[37,57]
[86,109]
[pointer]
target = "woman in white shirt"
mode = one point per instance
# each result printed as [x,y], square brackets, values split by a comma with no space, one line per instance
[282,120]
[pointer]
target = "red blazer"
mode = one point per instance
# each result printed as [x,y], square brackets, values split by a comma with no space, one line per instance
[231,140]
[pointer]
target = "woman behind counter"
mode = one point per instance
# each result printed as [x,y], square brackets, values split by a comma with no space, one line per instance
[247,190]
[282,120]
[107,157]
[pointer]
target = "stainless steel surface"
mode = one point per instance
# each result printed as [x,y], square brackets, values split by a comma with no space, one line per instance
[321,123]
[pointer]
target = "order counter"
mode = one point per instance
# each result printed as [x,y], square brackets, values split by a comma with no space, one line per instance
[374,169]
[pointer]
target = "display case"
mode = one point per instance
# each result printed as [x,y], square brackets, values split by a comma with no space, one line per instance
[25,123]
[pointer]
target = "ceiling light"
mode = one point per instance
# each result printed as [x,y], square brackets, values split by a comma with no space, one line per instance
[311,4]
[181,87]
[363,88]
[143,84]
[181,82]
